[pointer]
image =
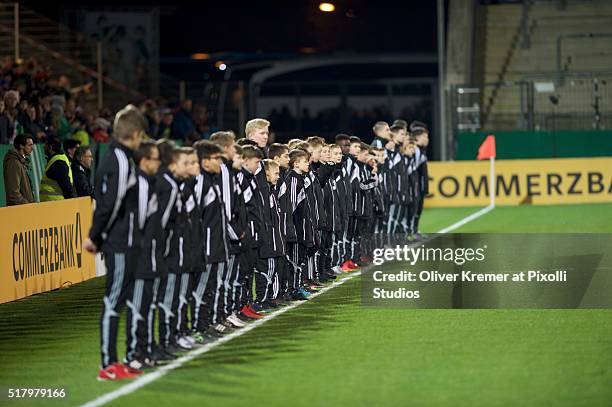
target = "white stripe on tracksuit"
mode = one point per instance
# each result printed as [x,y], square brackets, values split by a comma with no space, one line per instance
[110,303]
[124,168]
[276,282]
[220,269]
[166,305]
[151,316]
[198,294]
[135,305]
[228,283]
[182,299]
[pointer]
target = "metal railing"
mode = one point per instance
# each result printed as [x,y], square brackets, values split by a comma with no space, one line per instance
[537,102]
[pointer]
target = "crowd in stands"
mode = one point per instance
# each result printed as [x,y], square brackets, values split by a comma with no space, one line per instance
[40,107]
[34,100]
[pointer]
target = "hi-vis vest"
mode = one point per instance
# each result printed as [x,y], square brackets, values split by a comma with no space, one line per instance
[50,189]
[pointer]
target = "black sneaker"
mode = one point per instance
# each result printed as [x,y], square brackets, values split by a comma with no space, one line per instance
[272,304]
[162,356]
[212,334]
[298,296]
[140,363]
[229,327]
[243,318]
[173,348]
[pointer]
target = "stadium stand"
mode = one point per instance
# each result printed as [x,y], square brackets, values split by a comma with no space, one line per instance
[548,41]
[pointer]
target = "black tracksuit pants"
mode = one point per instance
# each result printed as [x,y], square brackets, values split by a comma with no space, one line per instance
[138,312]
[119,284]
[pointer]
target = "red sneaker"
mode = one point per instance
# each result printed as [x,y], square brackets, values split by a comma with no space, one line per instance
[256,313]
[116,371]
[348,266]
[131,370]
[249,313]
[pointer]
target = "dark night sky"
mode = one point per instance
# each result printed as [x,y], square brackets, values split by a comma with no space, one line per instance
[286,26]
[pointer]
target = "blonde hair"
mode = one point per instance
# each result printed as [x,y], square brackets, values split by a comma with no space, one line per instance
[294,143]
[223,138]
[379,125]
[254,125]
[128,121]
[269,164]
[315,141]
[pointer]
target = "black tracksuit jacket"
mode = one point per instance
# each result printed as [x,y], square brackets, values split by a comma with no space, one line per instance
[114,228]
[214,222]
[299,226]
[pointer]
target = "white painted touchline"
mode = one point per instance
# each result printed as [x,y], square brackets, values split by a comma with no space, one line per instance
[467,219]
[147,378]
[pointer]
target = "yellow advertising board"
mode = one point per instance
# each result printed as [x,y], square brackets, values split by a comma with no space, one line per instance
[537,182]
[42,247]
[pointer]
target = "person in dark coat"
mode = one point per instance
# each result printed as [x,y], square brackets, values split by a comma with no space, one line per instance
[16,181]
[81,171]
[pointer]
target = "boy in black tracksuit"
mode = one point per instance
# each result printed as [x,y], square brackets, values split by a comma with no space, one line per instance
[115,232]
[328,172]
[214,236]
[279,153]
[420,133]
[334,200]
[254,223]
[233,207]
[382,134]
[379,226]
[174,223]
[299,230]
[190,250]
[344,197]
[405,191]
[272,250]
[363,208]
[314,199]
[141,352]
[351,184]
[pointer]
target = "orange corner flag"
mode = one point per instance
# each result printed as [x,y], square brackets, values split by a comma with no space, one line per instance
[487,148]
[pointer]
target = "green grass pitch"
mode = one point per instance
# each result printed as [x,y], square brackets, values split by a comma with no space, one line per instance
[332,351]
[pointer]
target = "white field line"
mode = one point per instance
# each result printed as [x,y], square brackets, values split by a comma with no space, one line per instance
[467,219]
[147,378]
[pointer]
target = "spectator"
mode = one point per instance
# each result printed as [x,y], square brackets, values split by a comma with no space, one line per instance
[81,171]
[16,181]
[70,147]
[57,182]
[191,138]
[80,134]
[100,130]
[165,127]
[33,125]
[183,121]
[9,116]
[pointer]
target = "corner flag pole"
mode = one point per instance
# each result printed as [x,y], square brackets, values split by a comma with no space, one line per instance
[487,150]
[492,181]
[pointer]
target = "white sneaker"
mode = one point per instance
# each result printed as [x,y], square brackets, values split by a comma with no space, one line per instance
[337,270]
[234,320]
[184,343]
[190,338]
